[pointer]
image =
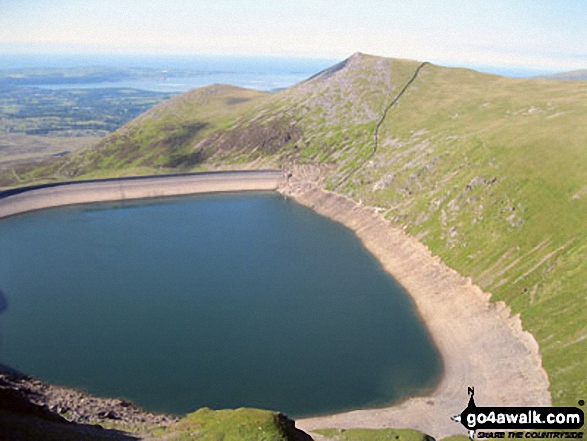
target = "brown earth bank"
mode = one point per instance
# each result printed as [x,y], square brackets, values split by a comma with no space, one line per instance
[481,343]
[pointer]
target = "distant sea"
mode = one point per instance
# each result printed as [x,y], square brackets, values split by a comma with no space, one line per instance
[180,73]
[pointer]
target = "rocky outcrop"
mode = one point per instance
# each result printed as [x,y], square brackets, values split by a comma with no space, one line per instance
[23,394]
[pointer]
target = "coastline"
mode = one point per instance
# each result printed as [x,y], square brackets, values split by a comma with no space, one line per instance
[108,190]
[481,343]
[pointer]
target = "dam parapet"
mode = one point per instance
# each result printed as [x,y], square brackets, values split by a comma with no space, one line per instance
[18,201]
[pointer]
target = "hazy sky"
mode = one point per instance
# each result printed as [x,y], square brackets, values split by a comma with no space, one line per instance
[547,34]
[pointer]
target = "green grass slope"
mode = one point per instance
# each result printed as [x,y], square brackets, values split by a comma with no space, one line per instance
[233,425]
[163,140]
[489,172]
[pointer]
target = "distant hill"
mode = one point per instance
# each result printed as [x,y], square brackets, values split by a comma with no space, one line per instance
[574,75]
[489,172]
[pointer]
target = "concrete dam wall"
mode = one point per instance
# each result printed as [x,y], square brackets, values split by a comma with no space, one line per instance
[18,201]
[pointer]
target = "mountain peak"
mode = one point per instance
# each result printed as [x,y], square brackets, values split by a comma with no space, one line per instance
[354,60]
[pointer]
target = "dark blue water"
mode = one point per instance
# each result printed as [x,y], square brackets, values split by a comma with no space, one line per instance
[219,301]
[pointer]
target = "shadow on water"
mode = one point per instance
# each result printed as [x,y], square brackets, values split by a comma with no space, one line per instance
[3,302]
[21,419]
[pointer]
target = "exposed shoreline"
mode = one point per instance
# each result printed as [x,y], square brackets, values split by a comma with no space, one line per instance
[480,343]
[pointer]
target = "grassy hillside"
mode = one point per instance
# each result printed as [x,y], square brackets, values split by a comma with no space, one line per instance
[162,140]
[238,425]
[489,172]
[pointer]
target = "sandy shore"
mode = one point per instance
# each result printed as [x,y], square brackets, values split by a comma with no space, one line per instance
[481,344]
[138,188]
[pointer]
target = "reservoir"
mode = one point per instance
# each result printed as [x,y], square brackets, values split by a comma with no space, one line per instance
[226,300]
